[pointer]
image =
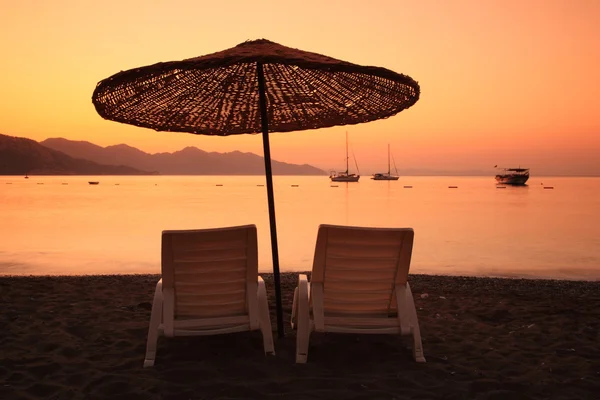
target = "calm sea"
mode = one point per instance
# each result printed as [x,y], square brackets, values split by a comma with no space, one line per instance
[62,225]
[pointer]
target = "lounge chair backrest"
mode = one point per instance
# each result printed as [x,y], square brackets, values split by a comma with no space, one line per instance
[209,286]
[359,268]
[359,284]
[210,272]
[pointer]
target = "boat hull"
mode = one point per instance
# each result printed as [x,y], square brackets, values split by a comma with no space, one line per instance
[345,178]
[385,178]
[512,179]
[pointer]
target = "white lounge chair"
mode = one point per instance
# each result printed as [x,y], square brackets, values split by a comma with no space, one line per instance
[358,285]
[210,285]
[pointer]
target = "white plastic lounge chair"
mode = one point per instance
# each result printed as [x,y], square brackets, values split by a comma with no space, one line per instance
[358,285]
[210,285]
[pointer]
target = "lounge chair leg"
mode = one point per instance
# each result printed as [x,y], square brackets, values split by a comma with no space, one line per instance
[265,319]
[415,332]
[294,309]
[303,321]
[409,324]
[155,319]
[417,345]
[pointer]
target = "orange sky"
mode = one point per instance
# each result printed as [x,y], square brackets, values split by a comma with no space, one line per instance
[502,82]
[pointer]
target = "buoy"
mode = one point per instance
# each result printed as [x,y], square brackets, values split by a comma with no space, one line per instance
[294,185]
[548,187]
[407,187]
[452,187]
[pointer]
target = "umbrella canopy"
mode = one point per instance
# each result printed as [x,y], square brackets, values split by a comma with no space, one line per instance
[256,86]
[217,94]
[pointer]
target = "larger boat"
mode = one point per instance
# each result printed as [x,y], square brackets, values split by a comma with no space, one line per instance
[513,176]
[382,176]
[344,176]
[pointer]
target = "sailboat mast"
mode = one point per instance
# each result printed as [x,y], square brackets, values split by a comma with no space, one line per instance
[347,153]
[389,159]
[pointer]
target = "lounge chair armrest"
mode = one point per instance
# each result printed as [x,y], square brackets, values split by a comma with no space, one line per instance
[303,280]
[156,316]
[302,318]
[158,295]
[264,317]
[261,288]
[303,291]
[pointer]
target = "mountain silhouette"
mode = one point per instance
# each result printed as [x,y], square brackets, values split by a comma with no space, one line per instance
[21,156]
[188,161]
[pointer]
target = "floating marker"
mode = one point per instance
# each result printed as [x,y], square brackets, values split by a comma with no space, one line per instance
[548,187]
[452,187]
[407,187]
[295,185]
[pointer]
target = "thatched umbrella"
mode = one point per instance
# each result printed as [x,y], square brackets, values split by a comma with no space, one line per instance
[256,86]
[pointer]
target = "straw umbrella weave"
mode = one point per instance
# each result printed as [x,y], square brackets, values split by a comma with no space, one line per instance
[255,87]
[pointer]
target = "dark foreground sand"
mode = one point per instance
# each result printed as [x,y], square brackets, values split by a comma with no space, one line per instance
[85,337]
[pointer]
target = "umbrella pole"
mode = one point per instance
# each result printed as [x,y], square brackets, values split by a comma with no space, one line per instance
[271,200]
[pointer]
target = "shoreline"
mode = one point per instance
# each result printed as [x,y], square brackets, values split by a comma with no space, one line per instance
[288,275]
[269,275]
[84,337]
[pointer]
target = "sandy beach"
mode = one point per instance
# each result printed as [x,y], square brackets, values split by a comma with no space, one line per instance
[484,338]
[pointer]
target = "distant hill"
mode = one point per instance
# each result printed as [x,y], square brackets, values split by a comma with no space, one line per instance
[189,161]
[20,156]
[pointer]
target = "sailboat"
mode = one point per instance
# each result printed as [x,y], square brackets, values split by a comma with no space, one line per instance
[386,177]
[345,176]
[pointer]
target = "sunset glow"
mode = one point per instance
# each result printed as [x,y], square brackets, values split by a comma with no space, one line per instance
[502,83]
